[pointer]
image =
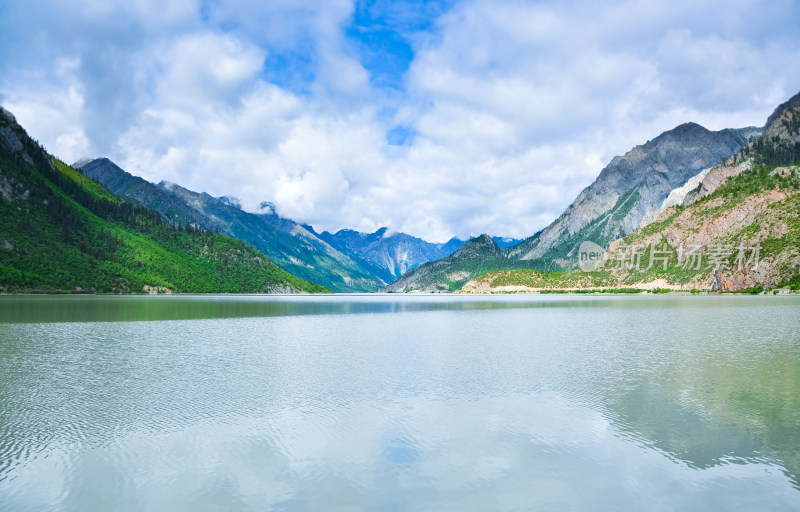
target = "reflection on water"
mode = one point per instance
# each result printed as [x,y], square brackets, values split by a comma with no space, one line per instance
[425,403]
[109,308]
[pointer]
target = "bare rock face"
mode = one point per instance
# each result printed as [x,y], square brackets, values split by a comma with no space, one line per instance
[780,123]
[633,188]
[786,172]
[782,128]
[14,139]
[678,196]
[6,189]
[717,177]
[695,228]
[395,253]
[9,133]
[470,260]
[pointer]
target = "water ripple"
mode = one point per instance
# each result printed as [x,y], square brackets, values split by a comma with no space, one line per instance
[473,406]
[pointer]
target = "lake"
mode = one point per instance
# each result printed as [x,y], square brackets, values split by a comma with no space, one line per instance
[388,402]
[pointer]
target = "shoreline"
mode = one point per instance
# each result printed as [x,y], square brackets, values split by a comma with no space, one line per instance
[517,290]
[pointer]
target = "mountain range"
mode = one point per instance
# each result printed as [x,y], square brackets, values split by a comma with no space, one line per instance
[635,190]
[290,245]
[397,252]
[345,261]
[60,231]
[68,229]
[631,190]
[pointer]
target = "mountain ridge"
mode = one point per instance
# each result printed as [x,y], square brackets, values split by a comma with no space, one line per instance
[285,242]
[345,261]
[738,230]
[631,187]
[632,190]
[397,252]
[62,232]
[448,274]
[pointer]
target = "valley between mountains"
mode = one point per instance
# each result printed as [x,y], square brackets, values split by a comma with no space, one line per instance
[691,209]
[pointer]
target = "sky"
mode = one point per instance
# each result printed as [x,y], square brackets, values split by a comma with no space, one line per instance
[436,118]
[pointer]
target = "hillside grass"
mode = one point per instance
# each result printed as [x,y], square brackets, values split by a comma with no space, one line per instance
[94,189]
[543,279]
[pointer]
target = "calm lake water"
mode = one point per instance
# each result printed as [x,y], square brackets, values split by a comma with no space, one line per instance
[399,403]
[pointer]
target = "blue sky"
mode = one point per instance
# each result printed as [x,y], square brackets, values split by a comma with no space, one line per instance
[435,118]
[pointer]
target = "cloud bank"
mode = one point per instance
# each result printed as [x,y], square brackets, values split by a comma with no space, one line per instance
[433,118]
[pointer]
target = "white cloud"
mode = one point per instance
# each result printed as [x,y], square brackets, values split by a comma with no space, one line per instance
[50,114]
[514,107]
[204,69]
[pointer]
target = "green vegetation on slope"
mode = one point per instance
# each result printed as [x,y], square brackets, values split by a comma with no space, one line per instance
[774,150]
[543,279]
[775,230]
[60,231]
[94,189]
[478,256]
[283,241]
[730,242]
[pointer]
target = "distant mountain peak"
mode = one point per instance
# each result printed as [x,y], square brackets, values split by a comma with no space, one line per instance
[690,130]
[790,104]
[231,201]
[478,245]
[97,161]
[689,126]
[632,188]
[387,233]
[82,161]
[8,115]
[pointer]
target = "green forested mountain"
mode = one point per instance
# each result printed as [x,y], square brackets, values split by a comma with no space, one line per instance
[294,247]
[61,231]
[344,261]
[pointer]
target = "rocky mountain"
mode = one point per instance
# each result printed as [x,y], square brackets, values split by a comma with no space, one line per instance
[292,246]
[449,274]
[60,231]
[397,253]
[779,145]
[629,193]
[505,242]
[632,190]
[345,261]
[738,229]
[479,248]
